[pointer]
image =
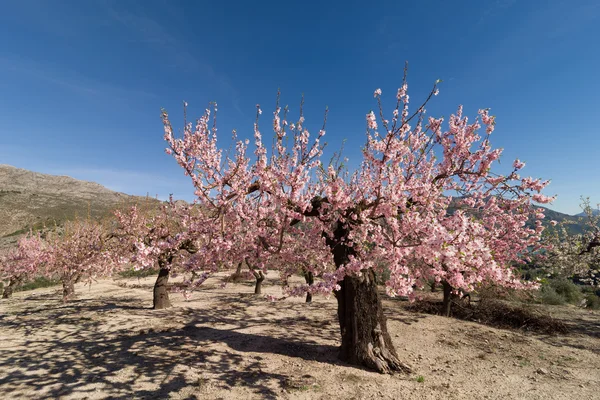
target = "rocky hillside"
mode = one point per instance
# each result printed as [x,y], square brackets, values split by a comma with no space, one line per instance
[31,200]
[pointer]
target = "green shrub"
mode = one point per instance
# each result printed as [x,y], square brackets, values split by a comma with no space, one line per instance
[548,295]
[40,282]
[570,292]
[142,273]
[592,301]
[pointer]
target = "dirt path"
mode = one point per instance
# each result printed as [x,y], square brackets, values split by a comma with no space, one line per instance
[227,344]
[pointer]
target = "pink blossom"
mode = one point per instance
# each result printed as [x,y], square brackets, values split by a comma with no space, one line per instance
[518,164]
[284,207]
[371,120]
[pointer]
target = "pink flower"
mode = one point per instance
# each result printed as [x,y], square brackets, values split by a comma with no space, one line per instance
[518,164]
[371,121]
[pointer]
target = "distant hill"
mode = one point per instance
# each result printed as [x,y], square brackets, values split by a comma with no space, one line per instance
[583,214]
[31,200]
[575,224]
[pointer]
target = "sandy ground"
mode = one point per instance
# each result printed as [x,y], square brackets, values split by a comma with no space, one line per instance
[228,344]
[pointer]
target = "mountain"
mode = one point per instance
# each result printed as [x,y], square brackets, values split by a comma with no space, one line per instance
[31,200]
[575,224]
[583,214]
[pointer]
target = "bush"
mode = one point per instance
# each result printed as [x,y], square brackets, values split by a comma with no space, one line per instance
[592,301]
[569,291]
[549,296]
[560,291]
[37,283]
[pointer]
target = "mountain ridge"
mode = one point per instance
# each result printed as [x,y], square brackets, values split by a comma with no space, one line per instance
[31,200]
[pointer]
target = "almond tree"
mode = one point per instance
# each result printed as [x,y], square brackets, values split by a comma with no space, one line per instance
[394,207]
[22,262]
[570,254]
[164,239]
[78,251]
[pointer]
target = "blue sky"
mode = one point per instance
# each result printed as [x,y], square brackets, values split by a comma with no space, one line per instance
[82,83]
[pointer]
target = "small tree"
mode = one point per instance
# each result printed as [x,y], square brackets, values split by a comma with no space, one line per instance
[160,239]
[22,262]
[77,251]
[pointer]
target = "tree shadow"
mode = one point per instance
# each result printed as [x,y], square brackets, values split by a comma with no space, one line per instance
[585,326]
[584,334]
[123,350]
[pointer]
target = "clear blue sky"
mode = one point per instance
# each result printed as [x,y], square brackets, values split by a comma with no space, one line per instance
[82,82]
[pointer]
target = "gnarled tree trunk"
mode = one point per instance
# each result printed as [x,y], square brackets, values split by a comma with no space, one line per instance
[68,285]
[161,289]
[309,277]
[450,298]
[260,277]
[365,339]
[8,290]
[447,303]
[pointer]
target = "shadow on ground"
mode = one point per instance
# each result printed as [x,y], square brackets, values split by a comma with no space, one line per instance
[118,348]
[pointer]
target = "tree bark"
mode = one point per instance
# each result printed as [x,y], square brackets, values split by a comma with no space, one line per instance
[309,277]
[68,287]
[447,303]
[260,277]
[433,286]
[8,290]
[161,290]
[365,339]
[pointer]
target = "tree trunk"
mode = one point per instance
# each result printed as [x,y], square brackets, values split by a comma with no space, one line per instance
[260,277]
[238,271]
[365,339]
[309,277]
[161,290]
[8,290]
[447,304]
[68,287]
[433,286]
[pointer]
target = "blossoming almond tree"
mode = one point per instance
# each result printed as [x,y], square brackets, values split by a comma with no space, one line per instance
[394,207]
[22,262]
[571,254]
[165,238]
[77,251]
